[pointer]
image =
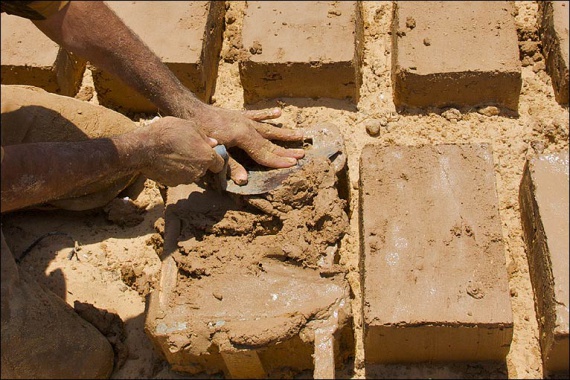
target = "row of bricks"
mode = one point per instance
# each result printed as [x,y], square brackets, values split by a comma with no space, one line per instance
[435,284]
[443,54]
[434,281]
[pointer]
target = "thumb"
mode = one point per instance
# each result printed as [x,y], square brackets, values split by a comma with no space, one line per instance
[219,159]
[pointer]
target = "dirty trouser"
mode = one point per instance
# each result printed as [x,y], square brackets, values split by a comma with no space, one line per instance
[42,337]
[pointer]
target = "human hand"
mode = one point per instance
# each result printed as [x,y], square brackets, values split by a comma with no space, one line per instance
[177,152]
[244,130]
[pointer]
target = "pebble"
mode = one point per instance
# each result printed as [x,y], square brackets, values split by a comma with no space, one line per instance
[218,295]
[538,66]
[373,127]
[489,111]
[452,114]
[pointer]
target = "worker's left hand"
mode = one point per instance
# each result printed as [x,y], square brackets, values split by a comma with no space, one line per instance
[244,130]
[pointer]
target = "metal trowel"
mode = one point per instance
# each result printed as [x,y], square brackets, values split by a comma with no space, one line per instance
[325,141]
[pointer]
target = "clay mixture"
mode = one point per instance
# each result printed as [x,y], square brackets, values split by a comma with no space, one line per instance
[115,266]
[299,221]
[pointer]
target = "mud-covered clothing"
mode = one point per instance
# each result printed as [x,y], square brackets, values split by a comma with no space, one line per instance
[33,10]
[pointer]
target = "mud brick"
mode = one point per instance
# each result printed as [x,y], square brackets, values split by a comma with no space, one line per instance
[434,277]
[455,53]
[301,49]
[543,201]
[554,34]
[256,323]
[186,36]
[29,57]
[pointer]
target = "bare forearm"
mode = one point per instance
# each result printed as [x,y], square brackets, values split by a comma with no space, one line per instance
[93,31]
[40,172]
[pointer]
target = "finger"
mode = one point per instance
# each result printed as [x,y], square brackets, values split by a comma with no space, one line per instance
[238,174]
[274,133]
[258,115]
[289,152]
[263,152]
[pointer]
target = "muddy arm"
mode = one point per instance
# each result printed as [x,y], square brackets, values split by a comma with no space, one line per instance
[40,172]
[93,31]
[170,151]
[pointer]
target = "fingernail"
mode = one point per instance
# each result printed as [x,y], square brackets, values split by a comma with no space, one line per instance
[241,179]
[299,152]
[291,160]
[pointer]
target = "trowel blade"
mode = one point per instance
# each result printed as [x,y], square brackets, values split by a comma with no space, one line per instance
[263,181]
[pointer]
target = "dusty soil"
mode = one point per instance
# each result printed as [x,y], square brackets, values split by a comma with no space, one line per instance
[116,263]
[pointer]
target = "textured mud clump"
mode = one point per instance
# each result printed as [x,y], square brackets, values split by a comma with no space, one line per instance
[298,222]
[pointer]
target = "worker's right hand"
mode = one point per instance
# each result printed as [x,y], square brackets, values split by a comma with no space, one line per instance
[177,152]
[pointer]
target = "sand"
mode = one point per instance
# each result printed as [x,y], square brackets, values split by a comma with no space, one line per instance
[117,263]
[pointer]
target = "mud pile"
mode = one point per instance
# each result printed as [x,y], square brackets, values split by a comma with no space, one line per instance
[250,286]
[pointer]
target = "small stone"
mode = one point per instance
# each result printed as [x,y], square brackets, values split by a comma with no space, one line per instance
[526,61]
[373,127]
[256,48]
[538,66]
[489,111]
[427,41]
[218,295]
[452,114]
[514,293]
[537,146]
[410,23]
[528,48]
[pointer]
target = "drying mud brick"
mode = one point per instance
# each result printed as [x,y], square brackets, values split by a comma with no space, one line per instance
[433,261]
[455,53]
[301,49]
[554,33]
[186,36]
[30,58]
[544,212]
[248,283]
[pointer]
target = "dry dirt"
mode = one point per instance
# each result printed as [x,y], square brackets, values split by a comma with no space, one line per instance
[116,263]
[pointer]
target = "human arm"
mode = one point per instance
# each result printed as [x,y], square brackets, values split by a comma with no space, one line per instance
[171,151]
[91,30]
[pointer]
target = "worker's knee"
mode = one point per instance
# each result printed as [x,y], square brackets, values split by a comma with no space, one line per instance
[42,337]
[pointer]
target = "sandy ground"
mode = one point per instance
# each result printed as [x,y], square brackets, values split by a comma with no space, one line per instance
[117,265]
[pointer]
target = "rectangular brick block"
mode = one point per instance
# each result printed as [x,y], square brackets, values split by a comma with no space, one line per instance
[186,36]
[553,17]
[29,57]
[543,201]
[274,323]
[455,53]
[434,277]
[301,49]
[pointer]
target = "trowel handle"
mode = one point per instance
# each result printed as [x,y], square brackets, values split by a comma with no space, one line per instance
[222,151]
